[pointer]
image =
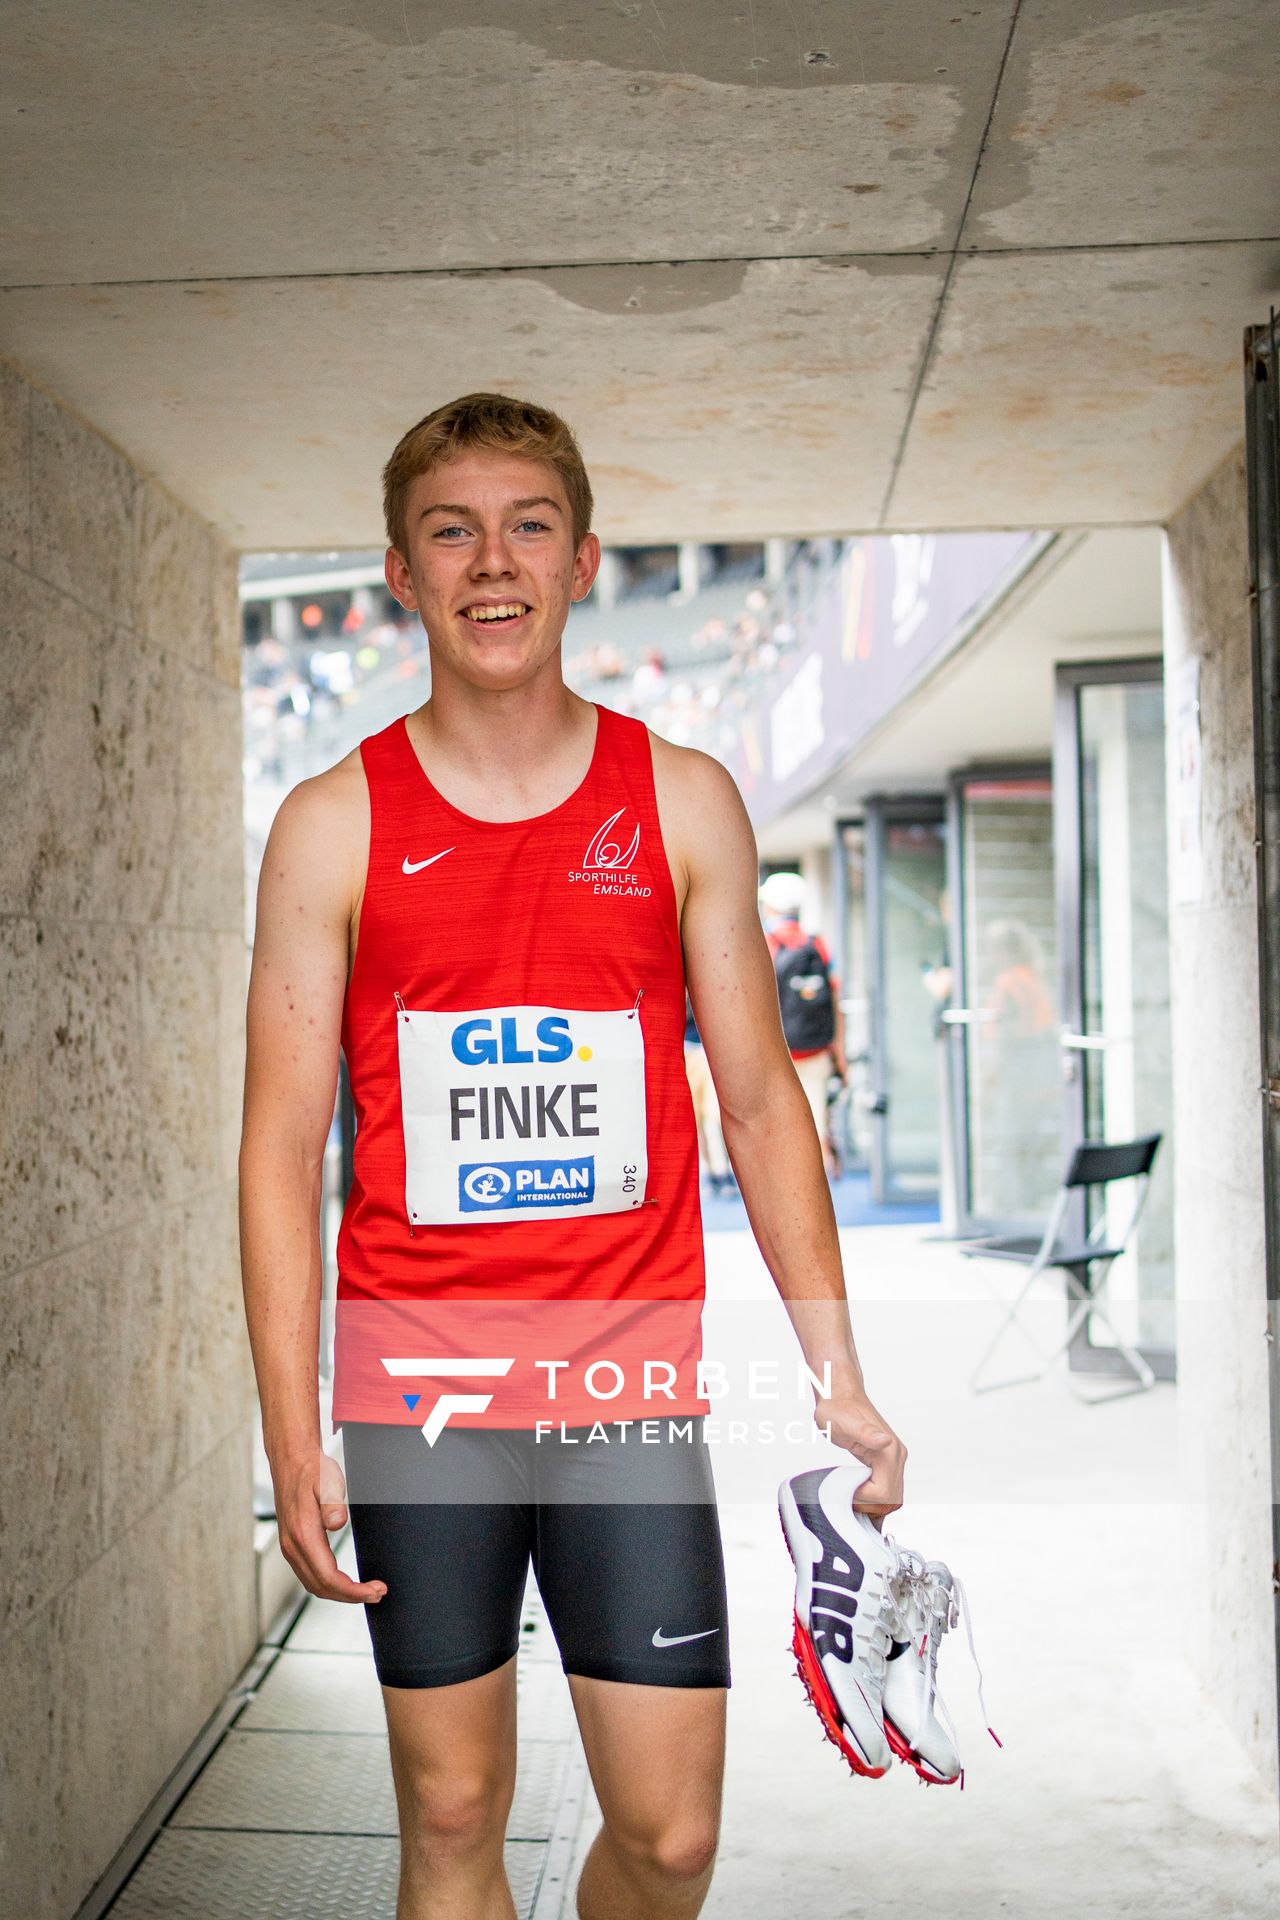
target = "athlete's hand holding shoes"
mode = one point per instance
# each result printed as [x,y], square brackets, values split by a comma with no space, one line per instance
[854,1424]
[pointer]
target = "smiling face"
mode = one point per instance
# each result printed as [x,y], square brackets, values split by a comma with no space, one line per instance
[491,567]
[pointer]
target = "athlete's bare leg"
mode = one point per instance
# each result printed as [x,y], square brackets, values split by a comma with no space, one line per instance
[656,1756]
[453,1758]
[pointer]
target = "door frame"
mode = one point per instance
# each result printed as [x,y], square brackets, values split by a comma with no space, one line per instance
[841,897]
[1068,838]
[880,811]
[970,1225]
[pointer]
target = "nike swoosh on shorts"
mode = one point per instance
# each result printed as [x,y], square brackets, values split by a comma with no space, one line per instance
[677,1640]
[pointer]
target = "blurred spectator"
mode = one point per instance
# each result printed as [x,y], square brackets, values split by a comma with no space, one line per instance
[712,1158]
[809,998]
[331,669]
[649,681]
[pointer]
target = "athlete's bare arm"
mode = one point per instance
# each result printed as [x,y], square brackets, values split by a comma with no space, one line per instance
[768,1127]
[308,895]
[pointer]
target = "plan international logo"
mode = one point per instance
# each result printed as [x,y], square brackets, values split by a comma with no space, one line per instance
[525,1183]
[607,864]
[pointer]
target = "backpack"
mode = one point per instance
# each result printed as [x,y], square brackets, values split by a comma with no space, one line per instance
[804,993]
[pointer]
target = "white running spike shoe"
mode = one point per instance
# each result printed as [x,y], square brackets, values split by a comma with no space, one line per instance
[845,1612]
[929,1600]
[912,1703]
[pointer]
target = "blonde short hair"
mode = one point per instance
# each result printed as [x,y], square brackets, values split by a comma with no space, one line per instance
[485,420]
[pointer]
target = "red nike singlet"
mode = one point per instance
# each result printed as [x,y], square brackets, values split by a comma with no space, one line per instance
[525,1205]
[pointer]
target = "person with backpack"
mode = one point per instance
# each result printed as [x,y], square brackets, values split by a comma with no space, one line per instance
[808,992]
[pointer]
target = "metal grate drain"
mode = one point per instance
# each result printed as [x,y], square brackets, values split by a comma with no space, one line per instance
[316,1693]
[293,1814]
[332,1693]
[330,1626]
[285,1876]
[340,1783]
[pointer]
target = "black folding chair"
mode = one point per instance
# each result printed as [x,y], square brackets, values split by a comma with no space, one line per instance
[1086,1263]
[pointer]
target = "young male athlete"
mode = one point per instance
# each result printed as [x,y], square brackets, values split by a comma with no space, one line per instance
[492,907]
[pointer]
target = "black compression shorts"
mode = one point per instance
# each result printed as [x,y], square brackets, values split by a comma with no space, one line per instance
[623,1536]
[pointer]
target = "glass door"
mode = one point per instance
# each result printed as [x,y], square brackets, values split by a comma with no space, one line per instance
[908,949]
[1113,924]
[853,1115]
[1004,1060]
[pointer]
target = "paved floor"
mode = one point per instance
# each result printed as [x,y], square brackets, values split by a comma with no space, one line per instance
[293,1815]
[1118,1790]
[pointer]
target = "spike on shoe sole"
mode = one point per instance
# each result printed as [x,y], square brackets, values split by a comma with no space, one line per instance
[824,1705]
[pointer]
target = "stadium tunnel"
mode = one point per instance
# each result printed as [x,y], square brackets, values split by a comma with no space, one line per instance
[794,274]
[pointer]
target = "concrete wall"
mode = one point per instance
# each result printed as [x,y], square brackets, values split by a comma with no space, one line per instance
[1218,1218]
[127,1602]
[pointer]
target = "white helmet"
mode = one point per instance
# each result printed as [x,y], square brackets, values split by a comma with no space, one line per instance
[783,894]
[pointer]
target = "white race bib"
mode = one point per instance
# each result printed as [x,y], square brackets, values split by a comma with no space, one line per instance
[521,1113]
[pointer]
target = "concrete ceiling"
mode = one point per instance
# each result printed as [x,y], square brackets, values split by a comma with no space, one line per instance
[821,265]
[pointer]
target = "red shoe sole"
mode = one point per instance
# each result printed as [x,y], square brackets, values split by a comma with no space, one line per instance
[902,1747]
[824,1702]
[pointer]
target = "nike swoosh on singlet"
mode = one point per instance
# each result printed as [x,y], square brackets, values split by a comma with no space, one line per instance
[677,1640]
[416,866]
